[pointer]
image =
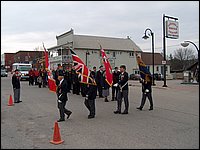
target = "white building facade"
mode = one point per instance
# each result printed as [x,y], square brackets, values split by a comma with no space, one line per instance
[119,51]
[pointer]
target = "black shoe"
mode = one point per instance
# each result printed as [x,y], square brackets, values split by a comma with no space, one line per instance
[19,101]
[140,108]
[117,112]
[69,115]
[106,100]
[89,116]
[151,109]
[16,102]
[60,120]
[125,112]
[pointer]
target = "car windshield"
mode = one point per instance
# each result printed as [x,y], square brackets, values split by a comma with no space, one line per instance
[24,68]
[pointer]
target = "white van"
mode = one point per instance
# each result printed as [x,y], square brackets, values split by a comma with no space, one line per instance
[23,69]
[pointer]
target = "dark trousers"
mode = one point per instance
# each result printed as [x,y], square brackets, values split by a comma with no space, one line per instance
[144,96]
[114,90]
[90,104]
[76,88]
[16,95]
[99,87]
[31,80]
[83,89]
[63,110]
[120,95]
[36,83]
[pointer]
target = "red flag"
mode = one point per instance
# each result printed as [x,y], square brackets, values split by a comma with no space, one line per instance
[46,58]
[80,68]
[109,76]
[52,84]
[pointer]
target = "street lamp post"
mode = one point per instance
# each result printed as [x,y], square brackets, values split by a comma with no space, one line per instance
[146,37]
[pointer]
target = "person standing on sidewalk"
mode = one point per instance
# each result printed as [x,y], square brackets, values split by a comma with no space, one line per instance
[146,92]
[16,86]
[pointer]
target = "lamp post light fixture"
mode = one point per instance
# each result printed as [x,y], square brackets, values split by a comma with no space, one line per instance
[146,37]
[186,43]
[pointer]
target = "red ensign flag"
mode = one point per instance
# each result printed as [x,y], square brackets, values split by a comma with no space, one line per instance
[109,76]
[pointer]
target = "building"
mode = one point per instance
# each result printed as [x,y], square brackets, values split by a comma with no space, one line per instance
[158,66]
[31,57]
[119,50]
[7,59]
[27,56]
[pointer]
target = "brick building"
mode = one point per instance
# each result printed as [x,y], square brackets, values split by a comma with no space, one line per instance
[7,59]
[31,57]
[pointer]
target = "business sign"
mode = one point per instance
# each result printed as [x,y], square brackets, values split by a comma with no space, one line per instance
[164,62]
[172,29]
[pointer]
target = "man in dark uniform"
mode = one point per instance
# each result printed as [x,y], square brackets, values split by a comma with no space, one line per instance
[75,81]
[123,91]
[62,97]
[146,92]
[99,80]
[91,96]
[116,74]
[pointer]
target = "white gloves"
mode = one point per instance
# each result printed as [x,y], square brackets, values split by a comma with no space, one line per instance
[59,101]
[115,85]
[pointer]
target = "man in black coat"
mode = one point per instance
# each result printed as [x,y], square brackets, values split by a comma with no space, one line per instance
[100,80]
[123,91]
[16,86]
[91,96]
[116,74]
[62,97]
[146,92]
[75,81]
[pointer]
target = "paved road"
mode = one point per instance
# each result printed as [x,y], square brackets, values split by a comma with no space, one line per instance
[174,122]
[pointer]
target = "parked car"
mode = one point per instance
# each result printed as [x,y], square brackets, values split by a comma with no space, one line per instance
[4,73]
[134,76]
[158,76]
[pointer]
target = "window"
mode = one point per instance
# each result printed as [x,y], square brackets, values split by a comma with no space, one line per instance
[114,55]
[157,68]
[131,54]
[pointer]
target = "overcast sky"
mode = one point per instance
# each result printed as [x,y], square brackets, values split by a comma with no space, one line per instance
[26,24]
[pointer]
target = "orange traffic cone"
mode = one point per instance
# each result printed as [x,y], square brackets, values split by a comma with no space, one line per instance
[56,135]
[10,102]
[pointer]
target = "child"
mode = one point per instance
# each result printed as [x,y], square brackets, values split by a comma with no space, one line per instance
[39,80]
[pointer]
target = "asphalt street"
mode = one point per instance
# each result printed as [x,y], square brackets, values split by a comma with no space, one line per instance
[173,124]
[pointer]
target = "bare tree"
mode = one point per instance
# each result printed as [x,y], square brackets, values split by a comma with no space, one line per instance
[185,56]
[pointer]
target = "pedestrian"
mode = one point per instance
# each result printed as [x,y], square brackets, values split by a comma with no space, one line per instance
[31,76]
[39,81]
[146,92]
[116,74]
[123,91]
[62,97]
[91,96]
[105,87]
[100,80]
[36,75]
[16,86]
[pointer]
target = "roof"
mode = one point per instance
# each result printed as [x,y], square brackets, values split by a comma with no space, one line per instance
[147,58]
[108,43]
